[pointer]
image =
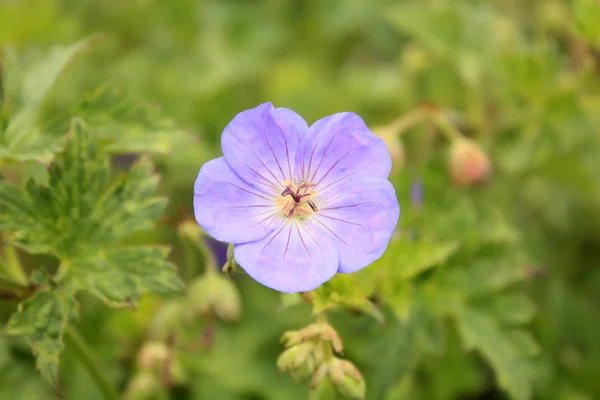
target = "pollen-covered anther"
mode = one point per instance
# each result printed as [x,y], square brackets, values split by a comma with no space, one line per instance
[296,200]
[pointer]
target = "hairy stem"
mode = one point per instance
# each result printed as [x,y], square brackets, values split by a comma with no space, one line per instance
[85,355]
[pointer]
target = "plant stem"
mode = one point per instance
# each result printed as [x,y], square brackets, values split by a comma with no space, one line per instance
[325,344]
[85,355]
[12,265]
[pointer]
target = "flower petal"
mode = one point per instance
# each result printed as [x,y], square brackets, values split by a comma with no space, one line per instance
[341,146]
[295,258]
[360,215]
[229,209]
[259,145]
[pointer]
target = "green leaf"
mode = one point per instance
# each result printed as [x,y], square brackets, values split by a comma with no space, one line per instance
[80,211]
[507,351]
[587,19]
[41,320]
[81,216]
[343,291]
[120,276]
[511,309]
[124,126]
[24,137]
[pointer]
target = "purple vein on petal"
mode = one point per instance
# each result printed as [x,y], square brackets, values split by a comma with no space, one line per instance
[348,206]
[333,166]
[304,244]
[249,192]
[275,235]
[332,232]
[340,179]
[263,220]
[337,219]
[272,152]
[251,206]
[258,158]
[272,185]
[287,246]
[257,215]
[329,199]
[322,158]
[306,173]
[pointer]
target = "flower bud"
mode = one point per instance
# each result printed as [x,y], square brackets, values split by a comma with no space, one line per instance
[142,386]
[468,163]
[152,354]
[347,379]
[213,292]
[321,331]
[167,319]
[292,357]
[321,387]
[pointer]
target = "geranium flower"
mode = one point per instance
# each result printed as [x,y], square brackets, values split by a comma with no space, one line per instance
[299,203]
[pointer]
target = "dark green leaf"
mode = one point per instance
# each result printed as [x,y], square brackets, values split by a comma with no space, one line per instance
[42,320]
[503,349]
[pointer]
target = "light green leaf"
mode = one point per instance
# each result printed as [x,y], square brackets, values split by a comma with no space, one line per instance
[503,349]
[587,19]
[41,320]
[343,291]
[124,126]
[120,276]
[513,309]
[80,211]
[24,137]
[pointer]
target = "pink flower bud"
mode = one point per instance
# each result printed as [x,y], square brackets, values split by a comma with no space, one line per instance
[468,163]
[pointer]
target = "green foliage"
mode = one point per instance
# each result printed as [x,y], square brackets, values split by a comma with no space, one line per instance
[23,136]
[343,291]
[80,217]
[42,320]
[471,277]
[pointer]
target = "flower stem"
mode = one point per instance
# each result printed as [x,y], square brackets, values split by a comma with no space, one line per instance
[325,344]
[85,355]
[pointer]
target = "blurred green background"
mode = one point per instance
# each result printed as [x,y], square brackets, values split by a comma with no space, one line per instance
[492,290]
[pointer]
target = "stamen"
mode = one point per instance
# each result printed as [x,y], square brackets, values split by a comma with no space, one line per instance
[296,204]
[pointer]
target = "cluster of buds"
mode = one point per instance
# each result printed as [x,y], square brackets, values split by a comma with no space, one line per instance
[158,368]
[310,353]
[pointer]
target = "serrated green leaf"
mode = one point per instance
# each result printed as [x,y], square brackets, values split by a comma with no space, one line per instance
[503,349]
[514,309]
[24,137]
[124,126]
[343,291]
[120,276]
[41,320]
[80,211]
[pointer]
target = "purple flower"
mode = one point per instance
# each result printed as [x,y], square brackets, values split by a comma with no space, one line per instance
[299,203]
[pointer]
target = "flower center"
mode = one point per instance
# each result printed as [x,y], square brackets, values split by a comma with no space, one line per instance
[296,200]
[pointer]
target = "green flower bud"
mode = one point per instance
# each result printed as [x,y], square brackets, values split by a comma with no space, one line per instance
[321,330]
[166,321]
[294,356]
[213,292]
[321,387]
[347,379]
[142,386]
[153,354]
